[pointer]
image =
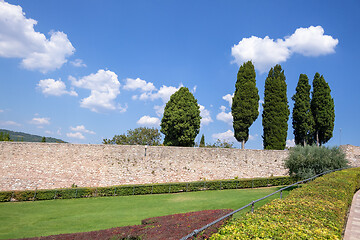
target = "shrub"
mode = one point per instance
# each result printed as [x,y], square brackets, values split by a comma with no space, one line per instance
[127,190]
[315,211]
[308,161]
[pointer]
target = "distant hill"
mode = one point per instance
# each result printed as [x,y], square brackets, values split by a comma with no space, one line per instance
[25,137]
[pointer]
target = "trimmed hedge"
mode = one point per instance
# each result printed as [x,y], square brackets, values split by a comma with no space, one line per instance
[127,190]
[315,211]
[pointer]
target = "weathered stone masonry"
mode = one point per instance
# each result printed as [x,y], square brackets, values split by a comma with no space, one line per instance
[53,165]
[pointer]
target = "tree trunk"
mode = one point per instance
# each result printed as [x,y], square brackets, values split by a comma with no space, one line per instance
[317,138]
[304,142]
[243,144]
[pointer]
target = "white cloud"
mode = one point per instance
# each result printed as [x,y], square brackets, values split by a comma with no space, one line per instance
[1,110]
[104,86]
[134,84]
[78,63]
[148,121]
[75,135]
[48,132]
[224,116]
[40,121]
[122,109]
[290,143]
[227,136]
[194,89]
[10,123]
[159,110]
[266,52]
[81,128]
[228,98]
[164,93]
[18,39]
[311,42]
[253,137]
[52,87]
[261,102]
[205,116]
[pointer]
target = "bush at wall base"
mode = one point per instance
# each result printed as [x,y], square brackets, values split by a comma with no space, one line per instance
[308,161]
[127,190]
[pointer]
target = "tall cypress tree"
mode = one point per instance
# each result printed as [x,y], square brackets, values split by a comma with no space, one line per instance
[302,119]
[276,110]
[245,102]
[322,108]
[181,120]
[202,141]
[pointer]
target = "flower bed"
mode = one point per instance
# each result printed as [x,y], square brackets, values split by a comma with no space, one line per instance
[166,227]
[315,211]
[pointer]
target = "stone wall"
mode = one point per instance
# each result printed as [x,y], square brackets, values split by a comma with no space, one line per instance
[352,154]
[55,165]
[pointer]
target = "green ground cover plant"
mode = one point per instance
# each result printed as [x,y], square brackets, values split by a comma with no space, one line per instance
[315,211]
[42,218]
[128,190]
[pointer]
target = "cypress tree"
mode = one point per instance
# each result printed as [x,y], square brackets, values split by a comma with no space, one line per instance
[302,119]
[245,102]
[181,120]
[276,110]
[322,108]
[202,141]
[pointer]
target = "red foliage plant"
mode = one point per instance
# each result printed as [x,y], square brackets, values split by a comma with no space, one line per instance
[157,228]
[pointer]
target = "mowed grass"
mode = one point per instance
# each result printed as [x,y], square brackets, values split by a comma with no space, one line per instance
[42,218]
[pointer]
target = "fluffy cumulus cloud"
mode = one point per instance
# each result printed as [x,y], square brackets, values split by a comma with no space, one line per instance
[81,128]
[227,136]
[205,116]
[134,84]
[225,116]
[149,91]
[104,87]
[77,135]
[311,42]
[164,93]
[78,63]
[266,52]
[159,110]
[54,88]
[228,98]
[148,121]
[40,121]
[290,143]
[18,39]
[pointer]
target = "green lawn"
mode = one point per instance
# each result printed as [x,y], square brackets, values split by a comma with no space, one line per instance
[29,219]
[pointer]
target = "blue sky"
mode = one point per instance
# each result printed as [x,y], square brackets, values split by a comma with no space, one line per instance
[87,70]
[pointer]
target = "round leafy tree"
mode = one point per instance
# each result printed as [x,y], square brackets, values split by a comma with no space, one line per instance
[181,120]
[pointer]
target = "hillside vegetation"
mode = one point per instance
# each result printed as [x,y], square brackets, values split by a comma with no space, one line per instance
[25,137]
